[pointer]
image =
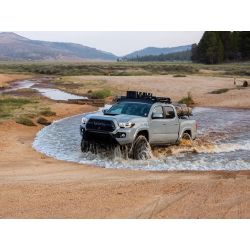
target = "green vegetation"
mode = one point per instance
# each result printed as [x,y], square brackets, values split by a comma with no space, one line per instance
[100,94]
[220,91]
[18,108]
[8,104]
[221,46]
[47,112]
[179,75]
[25,121]
[188,100]
[43,121]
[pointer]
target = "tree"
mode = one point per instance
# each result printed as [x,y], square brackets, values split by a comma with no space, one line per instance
[244,43]
[194,53]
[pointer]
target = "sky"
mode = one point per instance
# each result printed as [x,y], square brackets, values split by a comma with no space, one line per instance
[119,43]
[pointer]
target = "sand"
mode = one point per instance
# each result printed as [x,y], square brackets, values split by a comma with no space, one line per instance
[34,185]
[177,88]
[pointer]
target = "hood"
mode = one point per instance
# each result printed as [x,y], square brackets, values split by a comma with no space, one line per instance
[118,118]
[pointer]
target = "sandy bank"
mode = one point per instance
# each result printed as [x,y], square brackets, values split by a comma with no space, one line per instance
[177,88]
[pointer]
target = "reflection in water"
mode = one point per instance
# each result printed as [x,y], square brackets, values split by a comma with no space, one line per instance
[223,143]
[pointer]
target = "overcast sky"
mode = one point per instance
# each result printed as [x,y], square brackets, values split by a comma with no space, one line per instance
[119,43]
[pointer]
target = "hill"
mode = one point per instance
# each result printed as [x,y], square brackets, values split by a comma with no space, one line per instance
[157,51]
[17,48]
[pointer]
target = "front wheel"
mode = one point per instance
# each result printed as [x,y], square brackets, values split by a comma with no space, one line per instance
[85,146]
[141,148]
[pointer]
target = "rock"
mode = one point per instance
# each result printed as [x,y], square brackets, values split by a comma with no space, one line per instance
[245,84]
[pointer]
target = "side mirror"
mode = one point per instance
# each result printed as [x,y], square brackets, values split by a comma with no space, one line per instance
[104,111]
[157,116]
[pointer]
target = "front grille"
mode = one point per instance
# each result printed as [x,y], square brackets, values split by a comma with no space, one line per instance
[100,125]
[99,137]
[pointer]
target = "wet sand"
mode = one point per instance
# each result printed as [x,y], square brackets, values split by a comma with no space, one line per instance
[36,186]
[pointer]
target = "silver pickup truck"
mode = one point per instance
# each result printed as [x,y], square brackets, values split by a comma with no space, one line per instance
[137,120]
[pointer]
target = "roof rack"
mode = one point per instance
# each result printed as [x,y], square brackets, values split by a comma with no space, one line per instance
[145,97]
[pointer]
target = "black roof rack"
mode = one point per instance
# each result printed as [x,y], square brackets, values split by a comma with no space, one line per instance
[134,96]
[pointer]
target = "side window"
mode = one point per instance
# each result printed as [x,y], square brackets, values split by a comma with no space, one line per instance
[158,109]
[169,112]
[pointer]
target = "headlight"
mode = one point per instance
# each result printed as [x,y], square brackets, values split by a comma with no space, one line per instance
[84,120]
[126,124]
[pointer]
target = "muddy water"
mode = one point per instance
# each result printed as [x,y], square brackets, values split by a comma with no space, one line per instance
[52,93]
[223,143]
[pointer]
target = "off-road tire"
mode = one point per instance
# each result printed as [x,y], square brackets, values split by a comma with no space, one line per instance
[84,146]
[140,148]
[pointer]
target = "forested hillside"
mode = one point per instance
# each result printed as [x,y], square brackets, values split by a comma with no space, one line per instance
[221,46]
[178,56]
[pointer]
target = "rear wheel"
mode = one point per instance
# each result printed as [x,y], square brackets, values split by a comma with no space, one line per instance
[141,148]
[186,137]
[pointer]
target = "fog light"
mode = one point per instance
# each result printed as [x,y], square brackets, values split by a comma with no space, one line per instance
[123,135]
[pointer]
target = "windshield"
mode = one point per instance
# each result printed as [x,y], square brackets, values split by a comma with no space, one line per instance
[129,108]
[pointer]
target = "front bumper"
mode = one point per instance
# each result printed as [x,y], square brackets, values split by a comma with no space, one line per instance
[121,136]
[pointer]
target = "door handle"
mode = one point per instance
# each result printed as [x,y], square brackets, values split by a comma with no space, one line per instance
[176,124]
[164,123]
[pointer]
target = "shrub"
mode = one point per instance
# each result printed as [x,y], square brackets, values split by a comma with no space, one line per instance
[43,121]
[25,121]
[179,75]
[101,94]
[220,91]
[90,91]
[189,100]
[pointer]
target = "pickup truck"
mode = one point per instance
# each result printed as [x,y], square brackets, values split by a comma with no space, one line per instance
[138,120]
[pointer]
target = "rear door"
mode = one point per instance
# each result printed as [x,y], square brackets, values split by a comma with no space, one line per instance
[171,123]
[158,126]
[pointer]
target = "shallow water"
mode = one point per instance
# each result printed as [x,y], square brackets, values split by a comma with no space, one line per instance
[54,94]
[223,143]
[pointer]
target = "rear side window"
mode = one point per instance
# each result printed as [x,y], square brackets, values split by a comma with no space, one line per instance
[169,111]
[158,109]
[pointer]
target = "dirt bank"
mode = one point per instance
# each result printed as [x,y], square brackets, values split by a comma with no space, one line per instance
[176,88]
[6,78]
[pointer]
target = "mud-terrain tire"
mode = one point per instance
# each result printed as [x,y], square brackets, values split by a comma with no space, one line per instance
[186,137]
[84,146]
[140,148]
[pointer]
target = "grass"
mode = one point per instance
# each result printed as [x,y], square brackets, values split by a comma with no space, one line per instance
[25,121]
[47,112]
[188,100]
[25,107]
[100,94]
[179,75]
[220,91]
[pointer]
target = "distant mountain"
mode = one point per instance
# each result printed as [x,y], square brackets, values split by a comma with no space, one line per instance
[17,48]
[157,51]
